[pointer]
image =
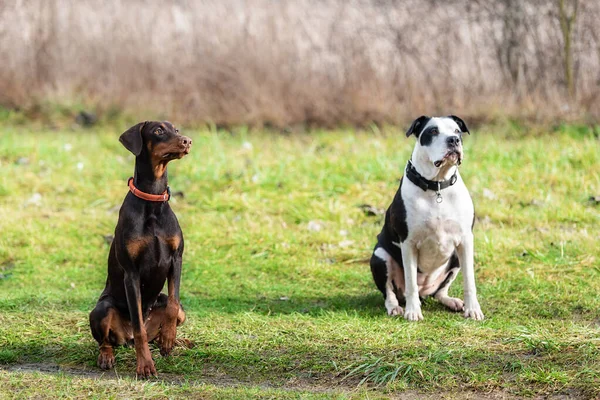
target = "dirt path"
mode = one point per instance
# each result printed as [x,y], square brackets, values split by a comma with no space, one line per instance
[317,385]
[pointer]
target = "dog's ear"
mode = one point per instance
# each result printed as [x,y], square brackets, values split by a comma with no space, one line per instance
[132,138]
[461,124]
[417,126]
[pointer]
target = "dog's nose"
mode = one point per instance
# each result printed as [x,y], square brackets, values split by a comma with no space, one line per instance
[186,141]
[453,141]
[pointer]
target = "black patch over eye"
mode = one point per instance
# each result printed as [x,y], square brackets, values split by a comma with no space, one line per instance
[426,137]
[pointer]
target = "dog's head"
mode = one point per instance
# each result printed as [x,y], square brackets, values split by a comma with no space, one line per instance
[155,141]
[439,139]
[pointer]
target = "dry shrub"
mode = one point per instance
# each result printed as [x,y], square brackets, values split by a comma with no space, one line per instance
[311,61]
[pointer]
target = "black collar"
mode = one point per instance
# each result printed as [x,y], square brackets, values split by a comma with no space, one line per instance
[426,184]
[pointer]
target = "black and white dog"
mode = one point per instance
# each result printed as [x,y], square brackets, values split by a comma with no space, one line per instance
[428,231]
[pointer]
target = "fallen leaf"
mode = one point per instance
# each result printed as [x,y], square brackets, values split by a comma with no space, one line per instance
[314,226]
[346,243]
[34,200]
[488,194]
[108,239]
[370,210]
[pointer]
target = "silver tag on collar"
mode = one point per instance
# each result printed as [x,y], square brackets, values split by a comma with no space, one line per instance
[439,197]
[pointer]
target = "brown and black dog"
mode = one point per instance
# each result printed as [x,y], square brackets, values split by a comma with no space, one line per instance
[146,251]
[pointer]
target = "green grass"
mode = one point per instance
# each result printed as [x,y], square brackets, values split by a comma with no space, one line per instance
[278,310]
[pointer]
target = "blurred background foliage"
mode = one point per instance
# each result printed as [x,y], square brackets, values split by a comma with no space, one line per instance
[311,62]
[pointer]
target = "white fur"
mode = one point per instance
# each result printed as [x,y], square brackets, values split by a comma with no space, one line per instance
[436,230]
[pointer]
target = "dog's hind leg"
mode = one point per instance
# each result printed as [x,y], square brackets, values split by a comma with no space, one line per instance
[441,294]
[453,303]
[173,310]
[158,318]
[379,271]
[110,330]
[389,279]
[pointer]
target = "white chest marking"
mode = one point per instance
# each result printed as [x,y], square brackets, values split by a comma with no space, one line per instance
[436,229]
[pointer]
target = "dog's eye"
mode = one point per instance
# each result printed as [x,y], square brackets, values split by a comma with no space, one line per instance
[456,131]
[434,131]
[159,131]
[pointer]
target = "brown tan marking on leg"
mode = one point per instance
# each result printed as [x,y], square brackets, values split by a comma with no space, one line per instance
[168,331]
[182,341]
[121,333]
[120,328]
[145,364]
[106,358]
[157,320]
[154,323]
[180,316]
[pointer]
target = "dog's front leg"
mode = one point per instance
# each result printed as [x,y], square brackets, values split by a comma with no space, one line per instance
[412,311]
[168,330]
[145,365]
[465,256]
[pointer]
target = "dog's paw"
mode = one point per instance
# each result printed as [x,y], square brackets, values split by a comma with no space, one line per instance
[166,341]
[413,314]
[453,303]
[395,311]
[166,346]
[145,368]
[474,313]
[106,359]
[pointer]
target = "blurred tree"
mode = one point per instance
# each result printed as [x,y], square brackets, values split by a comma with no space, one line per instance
[567,21]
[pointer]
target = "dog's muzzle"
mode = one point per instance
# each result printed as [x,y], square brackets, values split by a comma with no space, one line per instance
[454,156]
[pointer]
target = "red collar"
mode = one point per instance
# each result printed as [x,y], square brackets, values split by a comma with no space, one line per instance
[165,196]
